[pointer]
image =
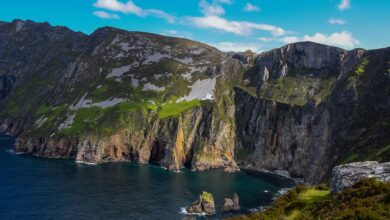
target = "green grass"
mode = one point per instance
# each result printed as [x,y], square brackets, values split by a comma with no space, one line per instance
[174,109]
[42,109]
[105,121]
[313,195]
[367,199]
[52,115]
[297,90]
[293,215]
[99,93]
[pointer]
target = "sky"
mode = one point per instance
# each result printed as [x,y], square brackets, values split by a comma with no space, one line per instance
[230,25]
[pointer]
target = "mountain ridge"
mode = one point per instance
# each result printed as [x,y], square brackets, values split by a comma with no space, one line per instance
[116,95]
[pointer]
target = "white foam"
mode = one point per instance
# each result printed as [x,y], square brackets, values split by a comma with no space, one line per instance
[281,192]
[86,163]
[183,211]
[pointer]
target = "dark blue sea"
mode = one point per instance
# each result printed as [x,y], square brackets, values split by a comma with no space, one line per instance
[38,188]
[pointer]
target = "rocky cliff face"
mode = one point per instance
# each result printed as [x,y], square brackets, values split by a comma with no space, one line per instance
[128,96]
[345,176]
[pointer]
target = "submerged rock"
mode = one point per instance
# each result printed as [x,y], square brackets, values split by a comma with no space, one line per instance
[346,175]
[231,204]
[205,204]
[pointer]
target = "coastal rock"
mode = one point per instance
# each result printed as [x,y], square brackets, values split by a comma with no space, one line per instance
[346,175]
[205,204]
[231,204]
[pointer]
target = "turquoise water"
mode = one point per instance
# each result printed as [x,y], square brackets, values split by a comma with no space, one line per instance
[37,188]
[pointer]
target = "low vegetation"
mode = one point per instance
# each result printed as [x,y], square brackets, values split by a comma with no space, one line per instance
[208,197]
[367,199]
[173,109]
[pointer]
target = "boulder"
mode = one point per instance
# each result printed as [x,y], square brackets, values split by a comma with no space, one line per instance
[205,204]
[231,204]
[346,175]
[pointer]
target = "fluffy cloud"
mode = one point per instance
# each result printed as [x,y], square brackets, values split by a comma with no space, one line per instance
[212,18]
[211,9]
[237,47]
[105,15]
[130,8]
[236,27]
[344,4]
[334,21]
[342,39]
[250,8]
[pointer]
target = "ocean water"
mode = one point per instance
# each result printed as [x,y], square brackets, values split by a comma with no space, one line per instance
[38,188]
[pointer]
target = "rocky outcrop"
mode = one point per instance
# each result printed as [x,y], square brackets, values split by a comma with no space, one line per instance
[344,176]
[231,204]
[205,204]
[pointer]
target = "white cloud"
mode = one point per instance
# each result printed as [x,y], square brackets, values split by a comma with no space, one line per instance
[267,39]
[212,18]
[237,47]
[342,39]
[130,8]
[236,27]
[344,4]
[105,15]
[161,14]
[211,9]
[176,33]
[250,8]
[334,21]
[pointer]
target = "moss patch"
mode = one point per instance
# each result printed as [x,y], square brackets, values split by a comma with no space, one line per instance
[206,196]
[174,109]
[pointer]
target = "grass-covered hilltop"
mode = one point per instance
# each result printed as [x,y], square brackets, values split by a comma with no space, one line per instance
[116,95]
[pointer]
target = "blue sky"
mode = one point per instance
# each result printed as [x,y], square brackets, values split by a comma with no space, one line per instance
[237,25]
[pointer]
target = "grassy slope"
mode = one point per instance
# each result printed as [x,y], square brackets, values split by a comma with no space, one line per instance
[367,199]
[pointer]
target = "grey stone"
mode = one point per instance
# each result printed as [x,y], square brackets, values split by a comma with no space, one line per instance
[346,175]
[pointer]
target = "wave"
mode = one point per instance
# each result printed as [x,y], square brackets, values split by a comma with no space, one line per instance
[183,211]
[281,192]
[84,162]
